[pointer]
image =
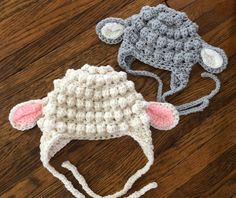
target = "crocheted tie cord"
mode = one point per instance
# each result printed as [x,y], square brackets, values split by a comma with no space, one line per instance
[94,103]
[165,39]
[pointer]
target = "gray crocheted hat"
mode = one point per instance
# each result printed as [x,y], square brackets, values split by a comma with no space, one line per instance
[93,103]
[166,39]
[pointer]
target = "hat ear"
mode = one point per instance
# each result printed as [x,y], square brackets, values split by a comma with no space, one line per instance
[163,116]
[25,115]
[111,30]
[213,59]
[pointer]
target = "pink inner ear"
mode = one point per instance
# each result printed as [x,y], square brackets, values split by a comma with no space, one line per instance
[28,113]
[161,117]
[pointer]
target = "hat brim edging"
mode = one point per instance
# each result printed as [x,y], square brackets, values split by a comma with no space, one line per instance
[51,147]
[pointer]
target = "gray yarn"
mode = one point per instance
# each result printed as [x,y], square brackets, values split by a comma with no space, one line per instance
[166,39]
[201,103]
[150,74]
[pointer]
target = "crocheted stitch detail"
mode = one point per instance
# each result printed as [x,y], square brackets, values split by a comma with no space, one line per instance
[25,115]
[166,39]
[93,102]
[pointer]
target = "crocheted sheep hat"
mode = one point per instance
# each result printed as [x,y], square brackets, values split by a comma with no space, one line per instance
[166,39]
[93,103]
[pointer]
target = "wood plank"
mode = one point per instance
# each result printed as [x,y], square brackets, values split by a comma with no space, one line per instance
[61,28]
[191,154]
[23,28]
[227,188]
[210,176]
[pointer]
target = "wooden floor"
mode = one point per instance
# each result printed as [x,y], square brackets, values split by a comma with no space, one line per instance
[40,40]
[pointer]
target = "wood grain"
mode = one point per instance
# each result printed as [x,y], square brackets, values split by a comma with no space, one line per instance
[40,40]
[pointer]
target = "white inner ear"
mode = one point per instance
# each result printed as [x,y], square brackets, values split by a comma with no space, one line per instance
[211,58]
[112,30]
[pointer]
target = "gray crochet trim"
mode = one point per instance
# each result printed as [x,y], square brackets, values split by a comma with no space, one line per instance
[104,22]
[150,74]
[223,55]
[166,39]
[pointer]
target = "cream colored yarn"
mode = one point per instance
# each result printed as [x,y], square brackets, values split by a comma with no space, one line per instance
[94,103]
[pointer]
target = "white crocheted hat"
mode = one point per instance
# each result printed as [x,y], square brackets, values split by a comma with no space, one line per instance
[93,103]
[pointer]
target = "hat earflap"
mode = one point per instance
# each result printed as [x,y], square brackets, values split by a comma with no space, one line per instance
[25,115]
[163,116]
[111,30]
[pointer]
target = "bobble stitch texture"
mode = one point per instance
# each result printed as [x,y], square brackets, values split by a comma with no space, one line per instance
[82,106]
[166,39]
[96,101]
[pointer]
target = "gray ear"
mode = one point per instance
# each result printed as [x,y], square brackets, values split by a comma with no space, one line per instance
[213,59]
[111,30]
